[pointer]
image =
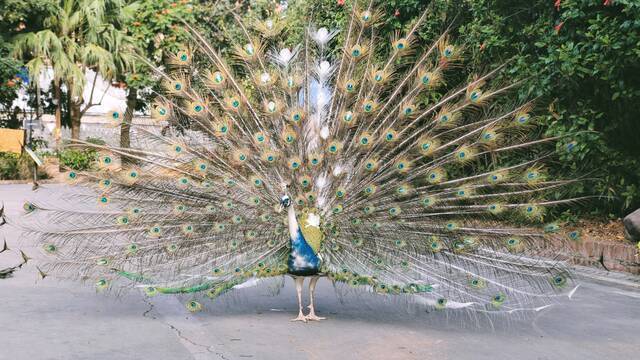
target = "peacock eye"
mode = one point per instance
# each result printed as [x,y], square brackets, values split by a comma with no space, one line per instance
[448,51]
[248,48]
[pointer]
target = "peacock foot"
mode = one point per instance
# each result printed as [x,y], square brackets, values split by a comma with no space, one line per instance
[300,317]
[312,315]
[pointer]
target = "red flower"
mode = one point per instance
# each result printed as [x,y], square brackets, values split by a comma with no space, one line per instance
[341,2]
[558,27]
[482,46]
[397,13]
[557,5]
[607,2]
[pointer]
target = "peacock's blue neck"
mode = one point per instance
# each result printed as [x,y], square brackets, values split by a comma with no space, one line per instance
[302,260]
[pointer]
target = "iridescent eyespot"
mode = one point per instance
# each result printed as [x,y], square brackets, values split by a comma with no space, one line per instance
[172,247]
[132,248]
[356,51]
[102,284]
[193,306]
[559,281]
[349,86]
[249,50]
[400,44]
[217,77]
[347,117]
[474,96]
[448,51]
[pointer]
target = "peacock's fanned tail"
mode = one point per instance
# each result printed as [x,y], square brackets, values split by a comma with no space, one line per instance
[427,186]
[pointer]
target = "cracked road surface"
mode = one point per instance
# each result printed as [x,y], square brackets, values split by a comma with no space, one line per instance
[50,319]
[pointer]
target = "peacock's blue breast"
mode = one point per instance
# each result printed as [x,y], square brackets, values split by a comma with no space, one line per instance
[302,261]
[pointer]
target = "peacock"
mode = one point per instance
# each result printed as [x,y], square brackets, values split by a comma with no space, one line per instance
[384,165]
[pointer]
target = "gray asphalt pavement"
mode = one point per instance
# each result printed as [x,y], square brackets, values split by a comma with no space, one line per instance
[49,319]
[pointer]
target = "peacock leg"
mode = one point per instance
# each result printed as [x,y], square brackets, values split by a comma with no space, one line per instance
[299,282]
[312,313]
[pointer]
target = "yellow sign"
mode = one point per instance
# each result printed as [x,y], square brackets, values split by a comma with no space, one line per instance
[11,140]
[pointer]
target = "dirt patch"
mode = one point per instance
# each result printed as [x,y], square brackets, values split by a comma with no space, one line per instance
[607,231]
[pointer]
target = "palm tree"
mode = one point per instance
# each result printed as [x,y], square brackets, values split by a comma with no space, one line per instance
[76,39]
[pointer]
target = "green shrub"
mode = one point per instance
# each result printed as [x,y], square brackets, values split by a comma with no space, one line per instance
[17,167]
[8,166]
[78,159]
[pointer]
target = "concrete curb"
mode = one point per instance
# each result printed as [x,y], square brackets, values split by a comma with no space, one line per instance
[607,277]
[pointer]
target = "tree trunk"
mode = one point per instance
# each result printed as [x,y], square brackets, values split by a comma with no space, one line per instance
[132,100]
[125,128]
[57,95]
[75,115]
